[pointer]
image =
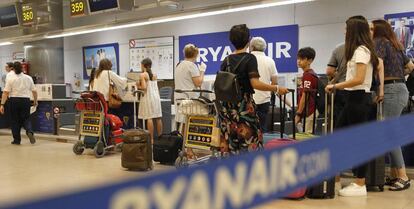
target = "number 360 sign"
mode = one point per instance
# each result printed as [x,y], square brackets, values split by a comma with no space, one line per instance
[28,14]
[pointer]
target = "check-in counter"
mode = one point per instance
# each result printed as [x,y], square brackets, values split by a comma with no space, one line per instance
[56,110]
[55,100]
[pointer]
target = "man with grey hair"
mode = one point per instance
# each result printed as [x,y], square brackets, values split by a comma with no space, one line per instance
[268,74]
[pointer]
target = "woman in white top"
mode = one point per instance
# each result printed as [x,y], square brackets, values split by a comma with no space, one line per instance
[362,62]
[150,104]
[104,76]
[18,90]
[188,76]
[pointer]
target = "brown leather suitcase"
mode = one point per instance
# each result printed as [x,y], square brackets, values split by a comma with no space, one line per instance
[137,150]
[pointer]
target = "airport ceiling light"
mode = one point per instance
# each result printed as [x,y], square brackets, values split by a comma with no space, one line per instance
[151,21]
[6,43]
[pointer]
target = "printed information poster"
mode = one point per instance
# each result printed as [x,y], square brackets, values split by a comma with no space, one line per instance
[93,54]
[159,50]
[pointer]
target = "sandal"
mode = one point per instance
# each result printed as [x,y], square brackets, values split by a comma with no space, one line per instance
[389,181]
[400,185]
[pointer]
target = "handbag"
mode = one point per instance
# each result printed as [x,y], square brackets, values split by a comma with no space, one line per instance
[114,100]
[226,86]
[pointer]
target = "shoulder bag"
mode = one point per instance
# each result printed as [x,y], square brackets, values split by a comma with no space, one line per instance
[114,100]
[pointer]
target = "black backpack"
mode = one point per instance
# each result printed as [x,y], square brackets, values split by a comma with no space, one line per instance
[320,95]
[226,85]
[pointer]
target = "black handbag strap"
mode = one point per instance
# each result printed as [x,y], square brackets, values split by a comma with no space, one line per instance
[174,133]
[228,68]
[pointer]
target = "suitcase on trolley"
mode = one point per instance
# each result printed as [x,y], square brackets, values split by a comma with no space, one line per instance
[167,147]
[279,142]
[326,188]
[375,178]
[137,148]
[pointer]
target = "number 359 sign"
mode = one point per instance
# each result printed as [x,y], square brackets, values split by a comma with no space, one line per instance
[77,8]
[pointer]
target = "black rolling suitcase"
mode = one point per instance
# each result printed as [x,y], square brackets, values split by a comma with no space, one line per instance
[326,188]
[375,178]
[167,147]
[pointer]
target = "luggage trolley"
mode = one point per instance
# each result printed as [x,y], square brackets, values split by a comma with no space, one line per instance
[98,130]
[200,131]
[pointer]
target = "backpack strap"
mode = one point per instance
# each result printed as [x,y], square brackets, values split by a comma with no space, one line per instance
[234,70]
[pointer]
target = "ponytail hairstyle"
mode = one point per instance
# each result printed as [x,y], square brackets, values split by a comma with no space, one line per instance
[147,63]
[358,34]
[17,66]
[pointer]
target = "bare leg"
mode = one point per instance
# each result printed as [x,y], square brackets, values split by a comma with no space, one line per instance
[150,127]
[360,182]
[402,174]
[159,126]
[393,173]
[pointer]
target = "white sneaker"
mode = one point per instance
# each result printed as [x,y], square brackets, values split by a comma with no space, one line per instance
[353,190]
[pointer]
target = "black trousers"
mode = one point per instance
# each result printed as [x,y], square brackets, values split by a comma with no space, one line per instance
[20,113]
[262,111]
[339,104]
[355,112]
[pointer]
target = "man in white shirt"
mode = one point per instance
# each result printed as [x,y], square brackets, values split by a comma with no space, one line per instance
[268,74]
[19,88]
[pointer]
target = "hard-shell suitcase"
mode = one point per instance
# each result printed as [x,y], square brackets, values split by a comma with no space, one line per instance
[375,178]
[274,134]
[281,141]
[167,147]
[326,188]
[136,150]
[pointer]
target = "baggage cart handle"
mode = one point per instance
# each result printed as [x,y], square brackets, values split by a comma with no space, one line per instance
[329,112]
[193,90]
[138,92]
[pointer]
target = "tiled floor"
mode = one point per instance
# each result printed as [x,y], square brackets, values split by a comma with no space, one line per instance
[35,171]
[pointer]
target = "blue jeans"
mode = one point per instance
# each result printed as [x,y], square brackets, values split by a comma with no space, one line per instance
[262,110]
[395,99]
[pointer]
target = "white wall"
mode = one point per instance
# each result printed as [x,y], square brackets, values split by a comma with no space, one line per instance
[321,27]
[6,55]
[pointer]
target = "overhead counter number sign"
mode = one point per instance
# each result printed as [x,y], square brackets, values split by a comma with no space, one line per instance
[28,14]
[77,8]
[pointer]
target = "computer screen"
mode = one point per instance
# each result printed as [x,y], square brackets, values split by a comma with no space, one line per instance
[8,16]
[100,5]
